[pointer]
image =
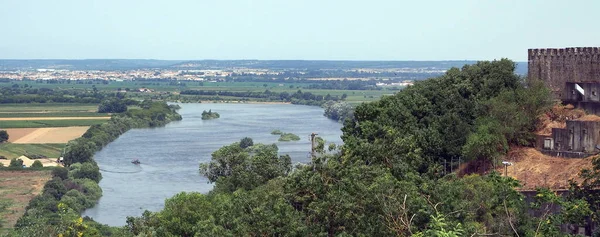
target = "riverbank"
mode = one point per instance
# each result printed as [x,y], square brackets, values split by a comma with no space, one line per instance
[170,155]
[75,188]
[245,102]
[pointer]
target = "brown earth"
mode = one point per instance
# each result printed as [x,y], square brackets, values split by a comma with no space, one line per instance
[17,133]
[53,118]
[18,188]
[535,169]
[49,135]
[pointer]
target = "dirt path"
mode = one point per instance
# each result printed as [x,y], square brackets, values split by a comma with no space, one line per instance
[51,135]
[52,118]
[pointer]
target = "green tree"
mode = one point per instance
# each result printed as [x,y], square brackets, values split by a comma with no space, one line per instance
[60,172]
[3,136]
[246,142]
[233,167]
[16,163]
[37,164]
[79,150]
[487,143]
[87,170]
[112,106]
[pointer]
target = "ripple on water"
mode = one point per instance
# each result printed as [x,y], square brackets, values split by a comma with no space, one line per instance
[170,155]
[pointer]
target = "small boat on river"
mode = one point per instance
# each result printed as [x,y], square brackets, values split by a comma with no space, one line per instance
[136,162]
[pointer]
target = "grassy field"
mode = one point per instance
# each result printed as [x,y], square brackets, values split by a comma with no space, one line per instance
[10,150]
[48,108]
[17,188]
[50,123]
[52,114]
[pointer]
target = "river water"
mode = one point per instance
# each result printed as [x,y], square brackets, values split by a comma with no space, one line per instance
[170,155]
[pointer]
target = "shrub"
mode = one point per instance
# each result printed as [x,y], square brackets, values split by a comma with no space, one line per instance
[37,164]
[16,163]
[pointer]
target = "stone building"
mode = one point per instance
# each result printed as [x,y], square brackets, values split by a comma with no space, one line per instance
[557,67]
[573,76]
[578,139]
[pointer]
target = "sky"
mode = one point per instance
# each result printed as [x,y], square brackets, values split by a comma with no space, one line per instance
[293,29]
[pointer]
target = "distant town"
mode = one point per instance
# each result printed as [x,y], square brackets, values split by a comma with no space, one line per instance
[399,73]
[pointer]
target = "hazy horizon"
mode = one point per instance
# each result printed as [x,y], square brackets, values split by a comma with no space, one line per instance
[379,30]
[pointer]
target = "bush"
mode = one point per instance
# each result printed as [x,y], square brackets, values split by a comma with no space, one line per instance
[276,132]
[37,164]
[60,172]
[16,163]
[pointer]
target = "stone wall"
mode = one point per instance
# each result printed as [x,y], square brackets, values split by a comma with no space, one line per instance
[578,136]
[557,66]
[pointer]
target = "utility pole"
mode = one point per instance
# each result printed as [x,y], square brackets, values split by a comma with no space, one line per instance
[312,151]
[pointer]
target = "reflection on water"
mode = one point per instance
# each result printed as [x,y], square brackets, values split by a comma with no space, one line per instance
[170,155]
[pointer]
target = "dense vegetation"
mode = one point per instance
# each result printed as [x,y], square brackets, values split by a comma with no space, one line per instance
[210,115]
[286,137]
[28,94]
[75,187]
[388,178]
[338,111]
[304,98]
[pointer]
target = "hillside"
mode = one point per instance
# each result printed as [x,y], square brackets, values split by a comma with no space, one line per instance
[535,169]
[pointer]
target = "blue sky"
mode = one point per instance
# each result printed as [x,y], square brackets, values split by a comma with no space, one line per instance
[293,29]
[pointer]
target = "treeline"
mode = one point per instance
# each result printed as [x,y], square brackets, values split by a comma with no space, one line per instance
[299,97]
[46,95]
[388,178]
[74,188]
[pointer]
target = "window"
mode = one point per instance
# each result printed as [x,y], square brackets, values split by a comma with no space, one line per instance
[548,143]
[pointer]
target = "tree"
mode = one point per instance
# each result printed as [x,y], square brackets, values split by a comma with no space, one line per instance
[233,167]
[60,172]
[79,150]
[16,163]
[112,106]
[37,164]
[246,142]
[3,136]
[487,143]
[87,170]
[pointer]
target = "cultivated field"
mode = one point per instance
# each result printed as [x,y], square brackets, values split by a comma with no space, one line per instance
[47,108]
[49,123]
[17,188]
[49,115]
[11,150]
[45,135]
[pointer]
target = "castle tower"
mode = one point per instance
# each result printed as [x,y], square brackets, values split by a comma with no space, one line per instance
[556,67]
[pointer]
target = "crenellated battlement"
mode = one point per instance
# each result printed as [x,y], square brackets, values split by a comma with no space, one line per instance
[551,52]
[555,67]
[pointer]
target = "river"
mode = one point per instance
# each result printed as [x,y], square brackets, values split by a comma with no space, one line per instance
[170,155]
